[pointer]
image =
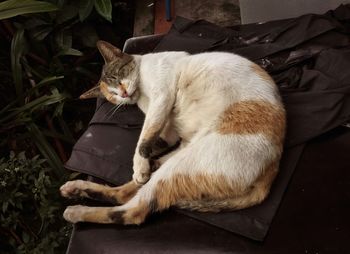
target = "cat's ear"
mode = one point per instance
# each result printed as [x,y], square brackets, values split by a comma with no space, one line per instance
[108,51]
[92,93]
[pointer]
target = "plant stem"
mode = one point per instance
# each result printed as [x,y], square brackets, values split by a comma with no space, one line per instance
[11,233]
[27,228]
[4,32]
[15,236]
[8,27]
[61,152]
[37,59]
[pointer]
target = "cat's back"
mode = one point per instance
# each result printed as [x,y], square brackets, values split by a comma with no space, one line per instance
[230,75]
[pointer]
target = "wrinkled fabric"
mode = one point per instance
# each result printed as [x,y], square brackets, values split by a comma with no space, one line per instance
[308,57]
[313,216]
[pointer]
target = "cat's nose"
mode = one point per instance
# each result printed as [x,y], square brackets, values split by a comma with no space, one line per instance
[123,90]
[125,94]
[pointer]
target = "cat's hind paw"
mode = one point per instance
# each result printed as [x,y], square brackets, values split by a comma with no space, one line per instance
[74,214]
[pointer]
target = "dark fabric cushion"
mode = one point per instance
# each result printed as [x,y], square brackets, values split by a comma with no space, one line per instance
[313,216]
[305,61]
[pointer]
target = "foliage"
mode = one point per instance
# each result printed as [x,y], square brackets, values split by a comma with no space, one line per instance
[13,8]
[30,206]
[48,57]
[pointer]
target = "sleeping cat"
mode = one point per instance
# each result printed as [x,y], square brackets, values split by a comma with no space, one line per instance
[226,111]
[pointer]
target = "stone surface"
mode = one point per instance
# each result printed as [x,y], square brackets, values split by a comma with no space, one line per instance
[220,12]
[144,17]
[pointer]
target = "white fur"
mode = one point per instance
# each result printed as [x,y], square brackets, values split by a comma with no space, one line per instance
[191,91]
[184,96]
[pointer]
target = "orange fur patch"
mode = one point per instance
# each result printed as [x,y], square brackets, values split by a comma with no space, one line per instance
[120,194]
[262,185]
[251,117]
[125,192]
[262,73]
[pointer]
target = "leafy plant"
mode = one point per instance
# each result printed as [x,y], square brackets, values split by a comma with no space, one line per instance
[30,206]
[48,57]
[12,8]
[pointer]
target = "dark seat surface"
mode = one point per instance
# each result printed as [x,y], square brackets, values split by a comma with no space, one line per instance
[313,216]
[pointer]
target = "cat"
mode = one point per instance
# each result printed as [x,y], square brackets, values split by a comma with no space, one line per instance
[226,111]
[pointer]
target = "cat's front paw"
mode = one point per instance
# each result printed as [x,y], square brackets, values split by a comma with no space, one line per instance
[72,189]
[74,214]
[145,149]
[142,170]
[141,178]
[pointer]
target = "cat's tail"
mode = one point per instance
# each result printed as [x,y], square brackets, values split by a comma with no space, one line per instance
[253,196]
[221,205]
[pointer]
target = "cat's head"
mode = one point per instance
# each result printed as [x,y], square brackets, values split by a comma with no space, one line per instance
[119,78]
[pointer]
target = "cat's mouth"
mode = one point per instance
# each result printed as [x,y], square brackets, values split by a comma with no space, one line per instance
[119,95]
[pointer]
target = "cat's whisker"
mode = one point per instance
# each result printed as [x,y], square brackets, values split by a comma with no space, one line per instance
[111,110]
[115,110]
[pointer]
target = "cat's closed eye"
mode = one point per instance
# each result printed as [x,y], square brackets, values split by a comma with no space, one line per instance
[112,82]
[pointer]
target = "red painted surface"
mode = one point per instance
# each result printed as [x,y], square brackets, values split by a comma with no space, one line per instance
[161,25]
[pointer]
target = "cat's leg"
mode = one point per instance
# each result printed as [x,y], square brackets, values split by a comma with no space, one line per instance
[169,134]
[166,146]
[87,189]
[167,140]
[177,179]
[156,117]
[161,160]
[133,212]
[79,213]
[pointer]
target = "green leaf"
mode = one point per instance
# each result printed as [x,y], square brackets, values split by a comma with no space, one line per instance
[55,134]
[85,8]
[20,114]
[104,8]
[39,33]
[35,22]
[64,126]
[69,11]
[12,8]
[29,92]
[69,52]
[17,50]
[25,237]
[63,39]
[40,102]
[74,175]
[5,204]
